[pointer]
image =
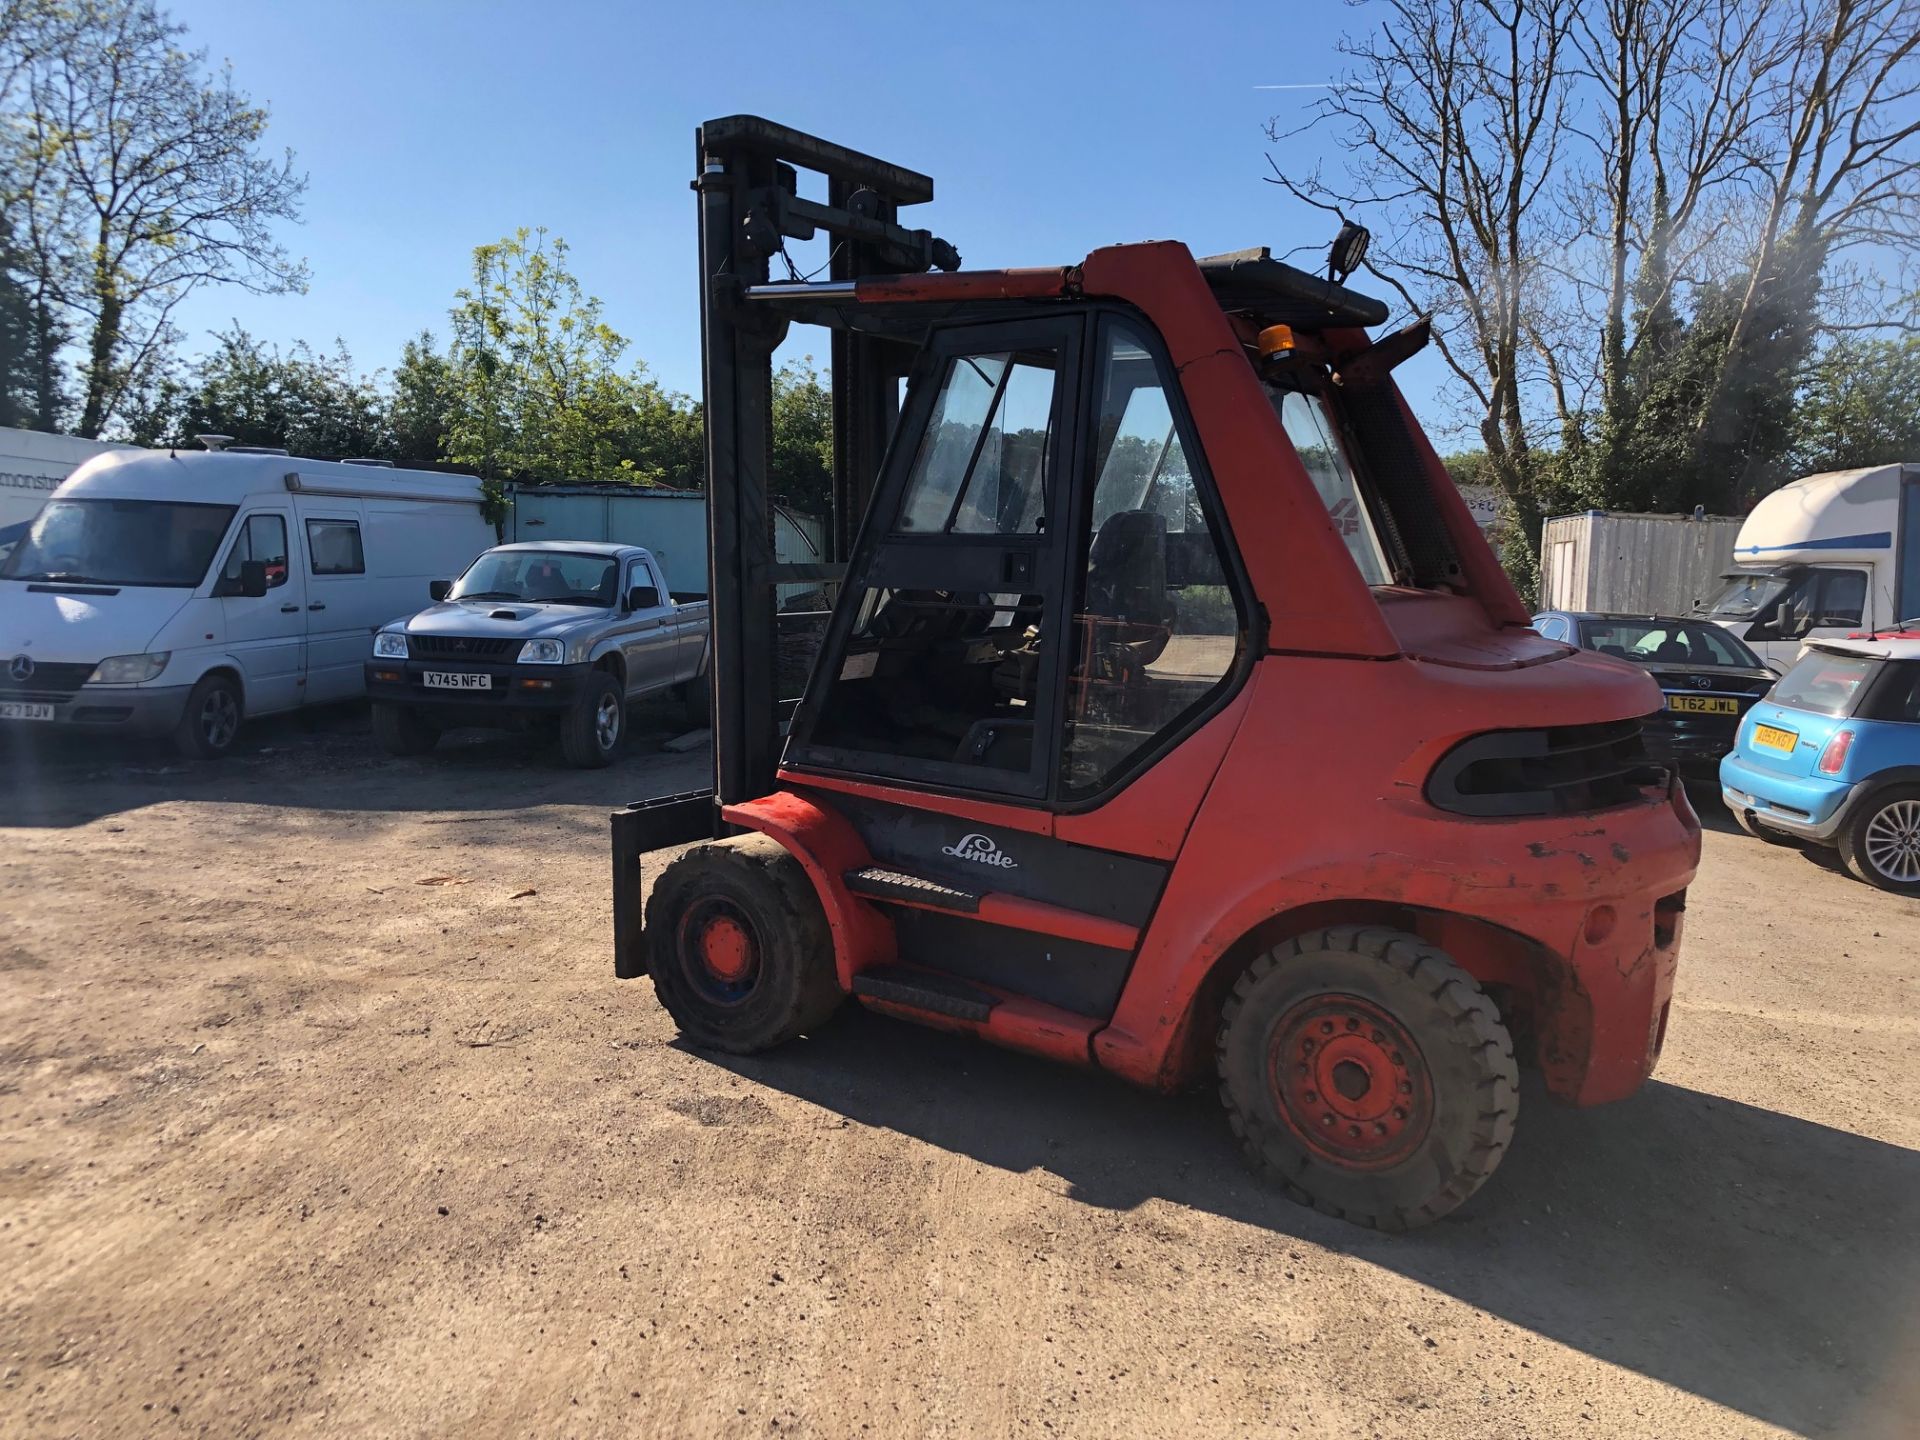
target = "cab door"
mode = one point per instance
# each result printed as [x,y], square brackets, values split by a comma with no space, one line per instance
[266,634]
[648,638]
[1040,607]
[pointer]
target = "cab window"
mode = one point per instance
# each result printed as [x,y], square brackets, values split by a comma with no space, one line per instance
[263,538]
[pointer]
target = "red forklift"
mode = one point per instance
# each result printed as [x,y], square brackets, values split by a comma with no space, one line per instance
[1172,716]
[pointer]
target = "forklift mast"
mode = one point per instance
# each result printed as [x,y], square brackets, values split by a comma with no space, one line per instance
[750,206]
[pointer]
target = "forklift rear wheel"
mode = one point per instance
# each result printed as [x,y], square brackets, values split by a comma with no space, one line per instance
[738,946]
[1369,1074]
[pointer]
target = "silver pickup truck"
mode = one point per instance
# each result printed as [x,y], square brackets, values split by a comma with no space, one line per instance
[562,634]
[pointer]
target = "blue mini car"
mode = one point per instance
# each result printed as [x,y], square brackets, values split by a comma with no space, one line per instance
[1832,756]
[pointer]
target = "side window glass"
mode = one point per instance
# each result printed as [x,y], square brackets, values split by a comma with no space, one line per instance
[263,537]
[1155,629]
[1553,628]
[334,547]
[981,466]
[1843,595]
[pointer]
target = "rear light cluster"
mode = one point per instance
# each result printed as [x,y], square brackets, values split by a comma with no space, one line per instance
[1567,770]
[1834,758]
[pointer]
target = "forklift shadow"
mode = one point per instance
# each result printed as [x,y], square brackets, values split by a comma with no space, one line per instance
[1762,1262]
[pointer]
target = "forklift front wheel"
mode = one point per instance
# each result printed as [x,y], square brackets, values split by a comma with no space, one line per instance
[738,946]
[1369,1075]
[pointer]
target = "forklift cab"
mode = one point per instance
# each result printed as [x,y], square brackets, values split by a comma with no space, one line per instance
[1172,717]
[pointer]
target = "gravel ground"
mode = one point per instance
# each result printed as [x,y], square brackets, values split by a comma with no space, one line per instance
[320,1112]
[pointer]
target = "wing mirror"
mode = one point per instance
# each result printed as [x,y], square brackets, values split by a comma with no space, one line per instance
[253,578]
[438,590]
[643,597]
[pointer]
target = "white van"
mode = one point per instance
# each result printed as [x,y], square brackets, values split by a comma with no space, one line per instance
[1823,558]
[177,593]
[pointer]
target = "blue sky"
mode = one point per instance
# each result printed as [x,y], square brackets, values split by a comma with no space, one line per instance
[429,126]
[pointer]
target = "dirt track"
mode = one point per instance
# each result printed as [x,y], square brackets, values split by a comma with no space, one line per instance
[293,1143]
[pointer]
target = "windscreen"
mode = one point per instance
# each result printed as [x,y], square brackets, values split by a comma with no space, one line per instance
[1744,596]
[120,542]
[543,577]
[1825,682]
[1666,642]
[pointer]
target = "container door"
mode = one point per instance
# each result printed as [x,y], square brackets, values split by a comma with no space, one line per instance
[267,634]
[341,608]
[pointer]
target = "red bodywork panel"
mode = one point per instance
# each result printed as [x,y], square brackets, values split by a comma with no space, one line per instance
[1301,803]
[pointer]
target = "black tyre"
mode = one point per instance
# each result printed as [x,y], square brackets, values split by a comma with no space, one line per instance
[697,696]
[738,946]
[402,730]
[1880,843]
[1369,1075]
[596,722]
[211,722]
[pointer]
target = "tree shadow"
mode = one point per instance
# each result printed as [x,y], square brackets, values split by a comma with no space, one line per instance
[1762,1262]
[327,759]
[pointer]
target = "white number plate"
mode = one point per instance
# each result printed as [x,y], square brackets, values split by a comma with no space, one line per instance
[456,680]
[14,710]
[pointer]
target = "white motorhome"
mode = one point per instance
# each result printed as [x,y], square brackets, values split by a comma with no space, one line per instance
[32,465]
[178,593]
[1823,558]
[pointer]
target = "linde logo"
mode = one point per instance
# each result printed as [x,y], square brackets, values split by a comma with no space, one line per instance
[981,851]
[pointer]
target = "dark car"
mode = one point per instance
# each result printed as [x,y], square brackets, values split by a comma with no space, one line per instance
[1709,677]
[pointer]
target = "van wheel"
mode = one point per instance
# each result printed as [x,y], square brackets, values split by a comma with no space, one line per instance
[591,732]
[1881,843]
[402,730]
[1369,1075]
[738,946]
[211,721]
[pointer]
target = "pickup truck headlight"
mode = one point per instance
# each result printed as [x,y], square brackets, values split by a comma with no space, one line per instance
[390,645]
[543,652]
[129,669]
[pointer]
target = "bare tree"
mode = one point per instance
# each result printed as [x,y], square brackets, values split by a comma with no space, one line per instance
[1623,214]
[1842,160]
[1455,115]
[134,180]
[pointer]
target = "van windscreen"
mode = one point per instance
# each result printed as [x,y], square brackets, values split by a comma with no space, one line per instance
[120,542]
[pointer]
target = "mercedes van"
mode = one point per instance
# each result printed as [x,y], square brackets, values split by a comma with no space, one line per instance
[181,593]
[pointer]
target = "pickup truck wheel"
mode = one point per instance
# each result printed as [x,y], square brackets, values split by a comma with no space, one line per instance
[211,721]
[402,730]
[1369,1075]
[738,946]
[591,731]
[1881,842]
[697,696]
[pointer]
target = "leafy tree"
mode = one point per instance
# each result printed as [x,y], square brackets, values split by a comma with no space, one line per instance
[420,408]
[17,342]
[133,178]
[802,474]
[537,392]
[1861,406]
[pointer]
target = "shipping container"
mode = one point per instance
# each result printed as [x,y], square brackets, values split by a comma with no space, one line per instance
[672,524]
[1634,564]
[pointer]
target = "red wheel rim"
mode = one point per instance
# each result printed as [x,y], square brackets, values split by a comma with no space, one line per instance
[1349,1082]
[720,953]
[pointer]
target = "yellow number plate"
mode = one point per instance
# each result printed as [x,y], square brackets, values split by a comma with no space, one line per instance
[1775,739]
[1703,704]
